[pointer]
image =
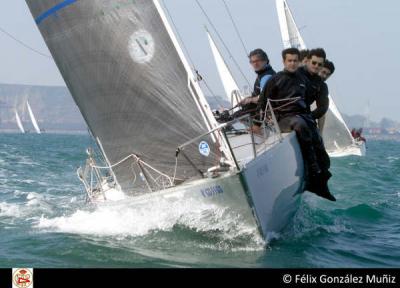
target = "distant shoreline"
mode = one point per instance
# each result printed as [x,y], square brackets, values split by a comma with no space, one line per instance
[383,137]
[67,132]
[85,132]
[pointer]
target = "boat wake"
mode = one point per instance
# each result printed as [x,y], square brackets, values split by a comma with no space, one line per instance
[127,219]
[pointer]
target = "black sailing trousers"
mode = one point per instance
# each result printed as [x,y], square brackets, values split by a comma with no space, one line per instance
[312,146]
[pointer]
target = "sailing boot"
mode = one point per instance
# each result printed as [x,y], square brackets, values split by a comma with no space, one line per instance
[318,184]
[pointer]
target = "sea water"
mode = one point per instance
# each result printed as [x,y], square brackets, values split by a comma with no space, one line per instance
[45,222]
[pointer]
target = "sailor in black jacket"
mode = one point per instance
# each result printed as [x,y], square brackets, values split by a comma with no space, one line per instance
[318,93]
[317,90]
[287,92]
[289,86]
[326,72]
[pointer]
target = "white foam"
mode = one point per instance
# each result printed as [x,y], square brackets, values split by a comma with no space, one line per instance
[392,159]
[128,218]
[32,195]
[9,210]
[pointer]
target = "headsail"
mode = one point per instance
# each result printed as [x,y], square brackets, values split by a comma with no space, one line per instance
[131,81]
[335,132]
[290,33]
[231,88]
[33,119]
[19,122]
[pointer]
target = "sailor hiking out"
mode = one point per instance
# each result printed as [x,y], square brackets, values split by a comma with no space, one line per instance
[288,92]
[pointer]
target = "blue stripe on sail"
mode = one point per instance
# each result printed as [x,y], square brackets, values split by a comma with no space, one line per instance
[54,10]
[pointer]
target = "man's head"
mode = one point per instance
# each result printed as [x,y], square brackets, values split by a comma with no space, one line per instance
[258,59]
[304,56]
[316,60]
[291,57]
[327,70]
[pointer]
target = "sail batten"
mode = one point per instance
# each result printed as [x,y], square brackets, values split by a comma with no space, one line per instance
[132,83]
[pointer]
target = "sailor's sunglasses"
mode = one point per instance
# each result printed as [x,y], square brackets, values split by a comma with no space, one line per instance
[317,63]
[256,61]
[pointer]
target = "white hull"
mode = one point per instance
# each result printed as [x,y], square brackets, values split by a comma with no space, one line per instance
[266,193]
[358,149]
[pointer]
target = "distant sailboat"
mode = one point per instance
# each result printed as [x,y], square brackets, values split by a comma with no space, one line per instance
[337,137]
[33,119]
[19,122]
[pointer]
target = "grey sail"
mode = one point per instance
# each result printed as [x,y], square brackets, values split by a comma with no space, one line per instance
[126,75]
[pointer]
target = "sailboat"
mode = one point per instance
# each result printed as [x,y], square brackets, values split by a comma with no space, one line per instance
[153,126]
[337,137]
[33,119]
[19,122]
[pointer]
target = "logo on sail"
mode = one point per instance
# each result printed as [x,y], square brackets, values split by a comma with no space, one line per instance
[141,46]
[204,148]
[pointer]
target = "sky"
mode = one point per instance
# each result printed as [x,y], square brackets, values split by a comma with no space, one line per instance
[360,37]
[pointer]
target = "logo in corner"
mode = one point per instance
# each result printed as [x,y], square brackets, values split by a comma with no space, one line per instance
[22,277]
[204,148]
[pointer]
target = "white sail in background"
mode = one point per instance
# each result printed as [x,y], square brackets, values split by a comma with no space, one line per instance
[336,134]
[290,33]
[19,122]
[231,88]
[33,119]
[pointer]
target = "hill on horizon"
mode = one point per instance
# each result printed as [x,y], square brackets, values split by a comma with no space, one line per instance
[55,109]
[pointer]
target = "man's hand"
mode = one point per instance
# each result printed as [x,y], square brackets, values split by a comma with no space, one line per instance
[255,129]
[249,100]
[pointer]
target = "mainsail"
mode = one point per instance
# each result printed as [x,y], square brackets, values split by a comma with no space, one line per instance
[232,91]
[335,132]
[132,83]
[19,122]
[33,119]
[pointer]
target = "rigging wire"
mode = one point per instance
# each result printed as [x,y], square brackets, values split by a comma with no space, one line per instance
[24,44]
[246,51]
[200,78]
[223,42]
[179,35]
